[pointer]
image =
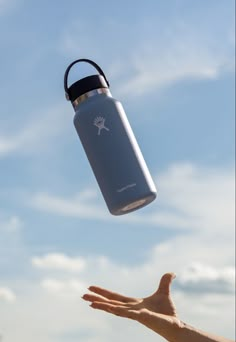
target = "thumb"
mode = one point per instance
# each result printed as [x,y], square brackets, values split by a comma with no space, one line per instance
[165,282]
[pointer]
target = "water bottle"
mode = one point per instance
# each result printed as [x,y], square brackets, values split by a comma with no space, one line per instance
[109,143]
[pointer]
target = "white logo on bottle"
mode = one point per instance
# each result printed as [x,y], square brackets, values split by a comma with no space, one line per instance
[99,122]
[126,187]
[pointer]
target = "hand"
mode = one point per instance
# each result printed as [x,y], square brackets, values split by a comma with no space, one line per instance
[157,311]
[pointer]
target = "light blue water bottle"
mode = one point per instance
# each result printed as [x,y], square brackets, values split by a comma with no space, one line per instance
[109,143]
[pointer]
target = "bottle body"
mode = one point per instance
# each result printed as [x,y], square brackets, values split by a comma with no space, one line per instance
[114,155]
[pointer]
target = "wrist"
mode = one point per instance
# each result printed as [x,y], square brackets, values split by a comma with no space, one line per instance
[175,330]
[168,327]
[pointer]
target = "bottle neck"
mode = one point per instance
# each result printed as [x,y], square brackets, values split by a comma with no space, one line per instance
[90,93]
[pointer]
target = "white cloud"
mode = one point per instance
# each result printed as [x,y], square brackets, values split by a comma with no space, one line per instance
[190,197]
[7,295]
[67,315]
[76,206]
[35,133]
[68,318]
[203,278]
[203,197]
[201,200]
[7,146]
[160,57]
[197,199]
[12,246]
[59,261]
[69,287]
[175,63]
[11,224]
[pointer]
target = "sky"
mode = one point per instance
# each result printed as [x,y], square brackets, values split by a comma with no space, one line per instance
[171,64]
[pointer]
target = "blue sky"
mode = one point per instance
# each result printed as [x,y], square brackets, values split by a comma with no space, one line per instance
[171,64]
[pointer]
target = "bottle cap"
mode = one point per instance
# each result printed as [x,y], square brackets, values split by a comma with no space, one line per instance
[86,84]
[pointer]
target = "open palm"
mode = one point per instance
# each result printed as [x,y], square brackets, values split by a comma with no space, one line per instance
[157,312]
[152,311]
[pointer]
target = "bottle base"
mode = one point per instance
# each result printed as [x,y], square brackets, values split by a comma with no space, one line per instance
[127,208]
[133,205]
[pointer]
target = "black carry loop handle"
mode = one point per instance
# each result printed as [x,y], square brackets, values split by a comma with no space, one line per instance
[75,62]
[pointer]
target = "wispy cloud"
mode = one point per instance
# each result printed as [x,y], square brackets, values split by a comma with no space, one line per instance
[182,56]
[204,197]
[204,279]
[59,261]
[200,270]
[211,281]
[194,277]
[161,57]
[6,294]
[7,146]
[189,197]
[77,206]
[71,287]
[36,133]
[11,224]
[175,67]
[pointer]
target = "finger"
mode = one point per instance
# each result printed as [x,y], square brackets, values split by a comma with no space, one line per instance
[110,295]
[125,312]
[165,283]
[121,311]
[93,298]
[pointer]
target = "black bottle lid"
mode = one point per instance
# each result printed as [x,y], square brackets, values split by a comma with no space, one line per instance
[86,84]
